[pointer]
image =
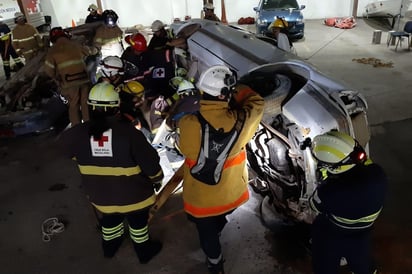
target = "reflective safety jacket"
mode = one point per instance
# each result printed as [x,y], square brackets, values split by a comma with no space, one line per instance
[118,171]
[65,62]
[26,40]
[109,40]
[351,200]
[200,199]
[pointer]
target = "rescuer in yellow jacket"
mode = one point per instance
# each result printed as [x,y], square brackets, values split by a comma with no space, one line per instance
[26,39]
[208,204]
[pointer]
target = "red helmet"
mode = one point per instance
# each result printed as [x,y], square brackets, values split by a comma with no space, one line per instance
[58,32]
[137,41]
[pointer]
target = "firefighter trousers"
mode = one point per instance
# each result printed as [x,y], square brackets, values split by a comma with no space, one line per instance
[7,50]
[330,244]
[209,229]
[113,229]
[77,100]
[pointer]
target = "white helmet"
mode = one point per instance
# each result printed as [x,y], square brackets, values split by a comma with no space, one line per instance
[337,151]
[19,16]
[103,95]
[186,88]
[157,25]
[208,6]
[216,78]
[112,66]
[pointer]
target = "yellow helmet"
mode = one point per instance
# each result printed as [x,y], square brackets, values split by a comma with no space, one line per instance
[103,95]
[278,23]
[186,88]
[134,88]
[337,151]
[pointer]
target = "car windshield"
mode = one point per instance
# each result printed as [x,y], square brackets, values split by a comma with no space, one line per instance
[279,4]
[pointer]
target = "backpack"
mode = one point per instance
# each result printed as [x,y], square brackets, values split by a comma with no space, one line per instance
[215,148]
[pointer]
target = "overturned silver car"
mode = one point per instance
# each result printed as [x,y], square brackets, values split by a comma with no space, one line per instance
[300,103]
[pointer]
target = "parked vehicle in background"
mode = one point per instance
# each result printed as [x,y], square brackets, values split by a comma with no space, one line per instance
[268,10]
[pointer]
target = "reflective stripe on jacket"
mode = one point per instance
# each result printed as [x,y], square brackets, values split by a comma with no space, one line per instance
[26,38]
[65,63]
[200,199]
[352,200]
[109,40]
[117,172]
[4,32]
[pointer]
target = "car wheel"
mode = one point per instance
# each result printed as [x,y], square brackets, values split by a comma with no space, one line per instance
[270,216]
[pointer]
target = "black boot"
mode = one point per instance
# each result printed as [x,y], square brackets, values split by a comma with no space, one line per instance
[147,250]
[110,247]
[7,72]
[215,268]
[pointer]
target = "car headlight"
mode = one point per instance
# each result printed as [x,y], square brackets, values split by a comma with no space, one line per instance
[300,21]
[262,21]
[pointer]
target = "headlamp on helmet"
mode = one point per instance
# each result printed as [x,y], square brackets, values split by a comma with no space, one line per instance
[337,152]
[217,80]
[110,18]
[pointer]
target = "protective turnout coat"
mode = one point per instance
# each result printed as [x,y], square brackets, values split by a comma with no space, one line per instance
[366,187]
[200,199]
[65,63]
[118,171]
[26,40]
[109,40]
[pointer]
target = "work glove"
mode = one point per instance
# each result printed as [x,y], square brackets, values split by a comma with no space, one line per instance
[157,185]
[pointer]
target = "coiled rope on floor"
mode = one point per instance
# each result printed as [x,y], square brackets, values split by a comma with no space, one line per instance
[50,227]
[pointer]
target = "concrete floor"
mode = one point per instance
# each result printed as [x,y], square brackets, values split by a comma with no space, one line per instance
[31,170]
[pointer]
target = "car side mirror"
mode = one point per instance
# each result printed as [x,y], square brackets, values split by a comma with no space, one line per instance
[302,7]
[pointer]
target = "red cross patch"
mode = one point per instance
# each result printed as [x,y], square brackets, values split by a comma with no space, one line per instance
[159,73]
[102,147]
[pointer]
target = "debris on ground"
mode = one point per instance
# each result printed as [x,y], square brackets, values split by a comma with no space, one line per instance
[246,20]
[340,22]
[375,62]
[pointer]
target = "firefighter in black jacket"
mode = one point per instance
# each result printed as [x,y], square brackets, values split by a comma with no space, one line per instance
[119,171]
[347,202]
